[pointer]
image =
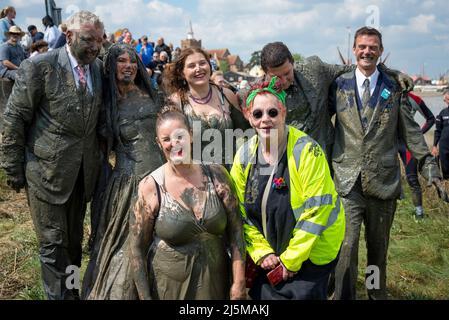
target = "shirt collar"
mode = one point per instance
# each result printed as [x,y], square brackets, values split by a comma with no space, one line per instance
[360,77]
[73,60]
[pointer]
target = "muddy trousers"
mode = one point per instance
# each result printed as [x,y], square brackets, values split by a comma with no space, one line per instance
[59,230]
[377,216]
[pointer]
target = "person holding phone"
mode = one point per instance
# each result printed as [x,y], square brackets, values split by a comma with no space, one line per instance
[292,215]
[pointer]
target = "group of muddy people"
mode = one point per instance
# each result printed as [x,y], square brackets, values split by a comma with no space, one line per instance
[276,215]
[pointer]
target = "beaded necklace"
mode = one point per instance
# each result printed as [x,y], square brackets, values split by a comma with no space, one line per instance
[204,100]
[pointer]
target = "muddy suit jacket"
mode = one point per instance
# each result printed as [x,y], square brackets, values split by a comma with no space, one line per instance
[374,154]
[45,135]
[307,99]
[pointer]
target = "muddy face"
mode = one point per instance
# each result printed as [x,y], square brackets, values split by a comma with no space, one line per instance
[126,68]
[284,72]
[86,43]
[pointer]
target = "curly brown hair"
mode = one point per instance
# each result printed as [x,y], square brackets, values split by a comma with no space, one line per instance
[174,81]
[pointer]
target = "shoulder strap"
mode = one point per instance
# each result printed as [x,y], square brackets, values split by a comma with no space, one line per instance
[158,176]
[223,97]
[267,189]
[158,190]
[264,202]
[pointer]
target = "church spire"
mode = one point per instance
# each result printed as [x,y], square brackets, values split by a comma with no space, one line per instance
[190,33]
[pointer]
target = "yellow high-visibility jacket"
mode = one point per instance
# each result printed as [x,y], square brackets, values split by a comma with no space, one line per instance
[318,211]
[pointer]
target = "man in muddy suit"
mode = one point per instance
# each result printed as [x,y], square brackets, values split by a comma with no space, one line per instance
[307,86]
[49,145]
[372,112]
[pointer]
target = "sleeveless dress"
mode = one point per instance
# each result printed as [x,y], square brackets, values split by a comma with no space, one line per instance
[109,271]
[208,148]
[188,258]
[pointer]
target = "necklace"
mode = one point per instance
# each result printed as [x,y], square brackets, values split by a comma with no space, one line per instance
[204,100]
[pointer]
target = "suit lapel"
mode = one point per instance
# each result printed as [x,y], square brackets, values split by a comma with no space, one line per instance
[378,100]
[66,69]
[352,93]
[94,74]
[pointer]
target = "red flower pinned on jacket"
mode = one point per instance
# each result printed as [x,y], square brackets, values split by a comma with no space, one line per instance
[279,183]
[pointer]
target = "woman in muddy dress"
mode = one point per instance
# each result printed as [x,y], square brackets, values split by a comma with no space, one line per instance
[188,84]
[132,108]
[187,214]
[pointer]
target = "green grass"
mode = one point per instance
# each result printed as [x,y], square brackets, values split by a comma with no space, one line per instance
[418,258]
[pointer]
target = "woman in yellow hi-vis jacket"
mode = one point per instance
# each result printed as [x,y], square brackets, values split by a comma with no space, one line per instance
[292,214]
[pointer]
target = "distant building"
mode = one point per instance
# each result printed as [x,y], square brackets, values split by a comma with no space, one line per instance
[421,80]
[190,42]
[256,71]
[219,54]
[234,62]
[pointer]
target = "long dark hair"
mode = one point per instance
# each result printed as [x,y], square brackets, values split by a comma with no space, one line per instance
[174,81]
[111,92]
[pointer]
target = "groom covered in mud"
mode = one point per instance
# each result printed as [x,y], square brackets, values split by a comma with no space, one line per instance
[49,145]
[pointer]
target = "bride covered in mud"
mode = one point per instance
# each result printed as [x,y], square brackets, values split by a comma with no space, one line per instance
[132,108]
[188,216]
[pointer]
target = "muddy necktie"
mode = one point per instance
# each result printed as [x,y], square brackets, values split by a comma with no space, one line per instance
[82,77]
[365,107]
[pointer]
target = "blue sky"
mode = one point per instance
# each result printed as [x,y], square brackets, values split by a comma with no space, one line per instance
[415,32]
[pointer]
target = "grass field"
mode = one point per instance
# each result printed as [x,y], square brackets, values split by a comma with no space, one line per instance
[418,263]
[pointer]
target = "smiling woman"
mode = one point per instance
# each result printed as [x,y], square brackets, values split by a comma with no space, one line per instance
[132,107]
[186,219]
[206,105]
[293,221]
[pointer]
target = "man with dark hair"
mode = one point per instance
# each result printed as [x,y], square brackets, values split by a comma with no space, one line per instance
[35,35]
[372,114]
[307,86]
[49,145]
[51,33]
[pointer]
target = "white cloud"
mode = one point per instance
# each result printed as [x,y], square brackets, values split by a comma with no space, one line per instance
[410,27]
[225,7]
[421,23]
[19,4]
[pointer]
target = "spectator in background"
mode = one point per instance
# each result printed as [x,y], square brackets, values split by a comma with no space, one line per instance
[51,33]
[35,35]
[145,51]
[219,80]
[7,17]
[161,46]
[11,53]
[127,38]
[38,47]
[214,64]
[176,53]
[26,42]
[163,57]
[62,37]
[121,35]
[441,137]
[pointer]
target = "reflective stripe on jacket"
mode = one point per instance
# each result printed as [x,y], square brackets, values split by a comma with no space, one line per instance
[320,226]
